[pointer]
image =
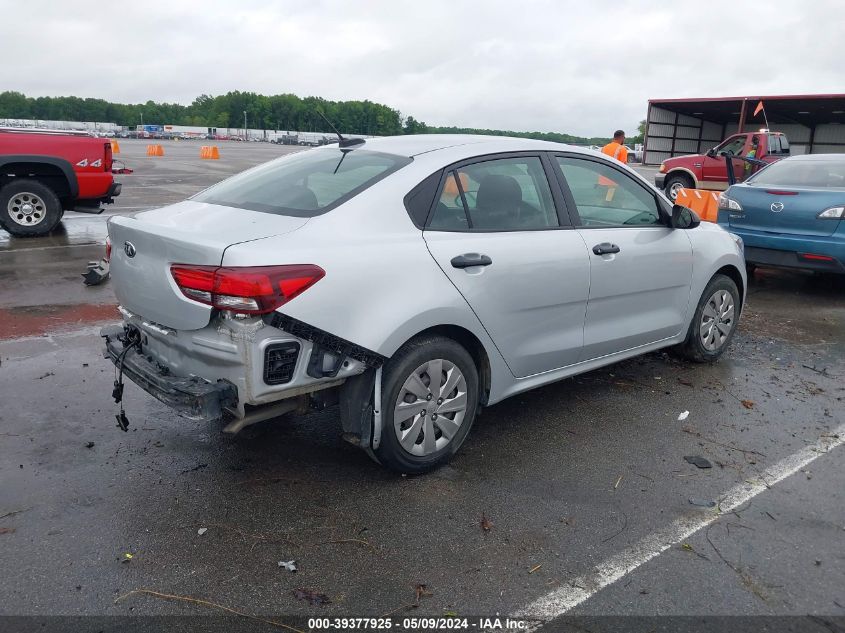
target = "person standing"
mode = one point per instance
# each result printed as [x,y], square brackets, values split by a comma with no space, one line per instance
[616,149]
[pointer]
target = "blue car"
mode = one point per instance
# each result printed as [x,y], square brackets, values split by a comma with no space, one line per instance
[791,214]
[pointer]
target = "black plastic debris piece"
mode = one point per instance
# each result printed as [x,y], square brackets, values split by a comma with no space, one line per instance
[703,503]
[698,461]
[96,273]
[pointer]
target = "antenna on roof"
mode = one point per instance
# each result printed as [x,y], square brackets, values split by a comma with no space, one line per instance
[341,140]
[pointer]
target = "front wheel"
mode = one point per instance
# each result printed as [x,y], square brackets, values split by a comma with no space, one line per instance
[674,183]
[714,322]
[29,208]
[429,402]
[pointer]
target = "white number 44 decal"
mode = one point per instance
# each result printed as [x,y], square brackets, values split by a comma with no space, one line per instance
[84,163]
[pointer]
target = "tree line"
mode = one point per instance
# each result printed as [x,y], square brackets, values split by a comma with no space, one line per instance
[276,112]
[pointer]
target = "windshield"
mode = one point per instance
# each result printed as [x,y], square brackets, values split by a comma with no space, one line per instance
[802,173]
[732,146]
[304,184]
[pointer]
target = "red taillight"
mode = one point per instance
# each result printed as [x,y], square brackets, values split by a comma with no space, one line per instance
[249,289]
[818,258]
[108,249]
[108,161]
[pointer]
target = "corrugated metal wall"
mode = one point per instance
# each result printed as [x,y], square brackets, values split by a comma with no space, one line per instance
[670,134]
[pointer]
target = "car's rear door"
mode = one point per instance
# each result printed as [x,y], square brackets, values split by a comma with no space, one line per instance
[640,269]
[501,235]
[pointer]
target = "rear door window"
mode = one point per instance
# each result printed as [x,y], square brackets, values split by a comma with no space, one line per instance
[503,194]
[304,184]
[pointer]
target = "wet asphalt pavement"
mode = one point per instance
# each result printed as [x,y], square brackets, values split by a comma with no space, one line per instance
[563,477]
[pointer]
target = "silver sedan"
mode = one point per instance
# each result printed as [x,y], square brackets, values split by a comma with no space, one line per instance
[411,281]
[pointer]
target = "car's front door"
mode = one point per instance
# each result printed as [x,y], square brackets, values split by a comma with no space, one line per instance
[496,233]
[640,269]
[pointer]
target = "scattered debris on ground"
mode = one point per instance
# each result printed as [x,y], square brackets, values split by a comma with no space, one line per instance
[89,444]
[703,503]
[290,565]
[7,530]
[748,404]
[14,512]
[202,531]
[197,467]
[486,524]
[205,603]
[698,461]
[312,597]
[683,416]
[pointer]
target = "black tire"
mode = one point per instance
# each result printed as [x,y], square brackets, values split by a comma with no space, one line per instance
[396,371]
[693,347]
[675,180]
[46,211]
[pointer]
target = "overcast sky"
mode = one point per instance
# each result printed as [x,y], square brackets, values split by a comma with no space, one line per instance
[548,65]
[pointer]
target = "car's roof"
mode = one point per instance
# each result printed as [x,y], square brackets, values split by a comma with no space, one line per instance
[816,157]
[416,144]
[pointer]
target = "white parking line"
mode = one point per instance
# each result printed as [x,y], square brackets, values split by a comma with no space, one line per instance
[562,599]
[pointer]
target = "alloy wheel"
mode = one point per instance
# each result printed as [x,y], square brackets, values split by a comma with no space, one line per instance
[26,209]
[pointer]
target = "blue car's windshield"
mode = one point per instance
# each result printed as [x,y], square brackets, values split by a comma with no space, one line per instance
[802,173]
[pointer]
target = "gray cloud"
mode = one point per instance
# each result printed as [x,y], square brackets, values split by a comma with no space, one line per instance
[545,65]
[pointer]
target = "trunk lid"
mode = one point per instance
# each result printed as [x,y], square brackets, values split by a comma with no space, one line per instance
[146,245]
[791,210]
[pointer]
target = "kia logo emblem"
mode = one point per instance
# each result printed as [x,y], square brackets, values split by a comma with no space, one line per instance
[777,207]
[129,248]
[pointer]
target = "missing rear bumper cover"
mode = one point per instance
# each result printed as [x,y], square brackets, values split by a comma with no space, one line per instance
[191,397]
[327,342]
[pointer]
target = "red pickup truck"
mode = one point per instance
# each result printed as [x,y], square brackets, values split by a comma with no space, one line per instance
[43,174]
[710,171]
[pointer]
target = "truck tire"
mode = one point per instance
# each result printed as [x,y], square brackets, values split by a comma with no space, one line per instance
[425,417]
[675,182]
[29,208]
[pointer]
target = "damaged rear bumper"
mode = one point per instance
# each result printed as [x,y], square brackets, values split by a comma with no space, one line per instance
[192,397]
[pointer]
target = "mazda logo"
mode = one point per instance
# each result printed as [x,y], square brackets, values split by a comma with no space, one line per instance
[129,248]
[777,207]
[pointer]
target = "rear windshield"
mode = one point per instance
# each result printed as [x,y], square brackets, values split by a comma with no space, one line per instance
[802,173]
[304,184]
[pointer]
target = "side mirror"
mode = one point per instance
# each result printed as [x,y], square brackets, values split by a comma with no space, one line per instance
[711,152]
[684,218]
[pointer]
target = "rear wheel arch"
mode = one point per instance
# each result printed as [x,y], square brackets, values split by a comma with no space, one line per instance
[55,173]
[471,344]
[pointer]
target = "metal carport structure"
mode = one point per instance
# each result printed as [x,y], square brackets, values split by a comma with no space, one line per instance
[814,124]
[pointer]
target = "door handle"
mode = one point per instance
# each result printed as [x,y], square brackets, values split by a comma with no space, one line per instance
[467,260]
[605,248]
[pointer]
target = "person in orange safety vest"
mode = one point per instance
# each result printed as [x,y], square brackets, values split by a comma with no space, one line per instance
[616,149]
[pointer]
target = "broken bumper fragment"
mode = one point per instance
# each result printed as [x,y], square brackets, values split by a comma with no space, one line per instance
[192,397]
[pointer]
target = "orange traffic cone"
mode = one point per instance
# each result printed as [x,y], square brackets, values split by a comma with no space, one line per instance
[115,147]
[209,152]
[155,150]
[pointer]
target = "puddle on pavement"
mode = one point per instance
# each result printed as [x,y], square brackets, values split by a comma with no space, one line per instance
[72,231]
